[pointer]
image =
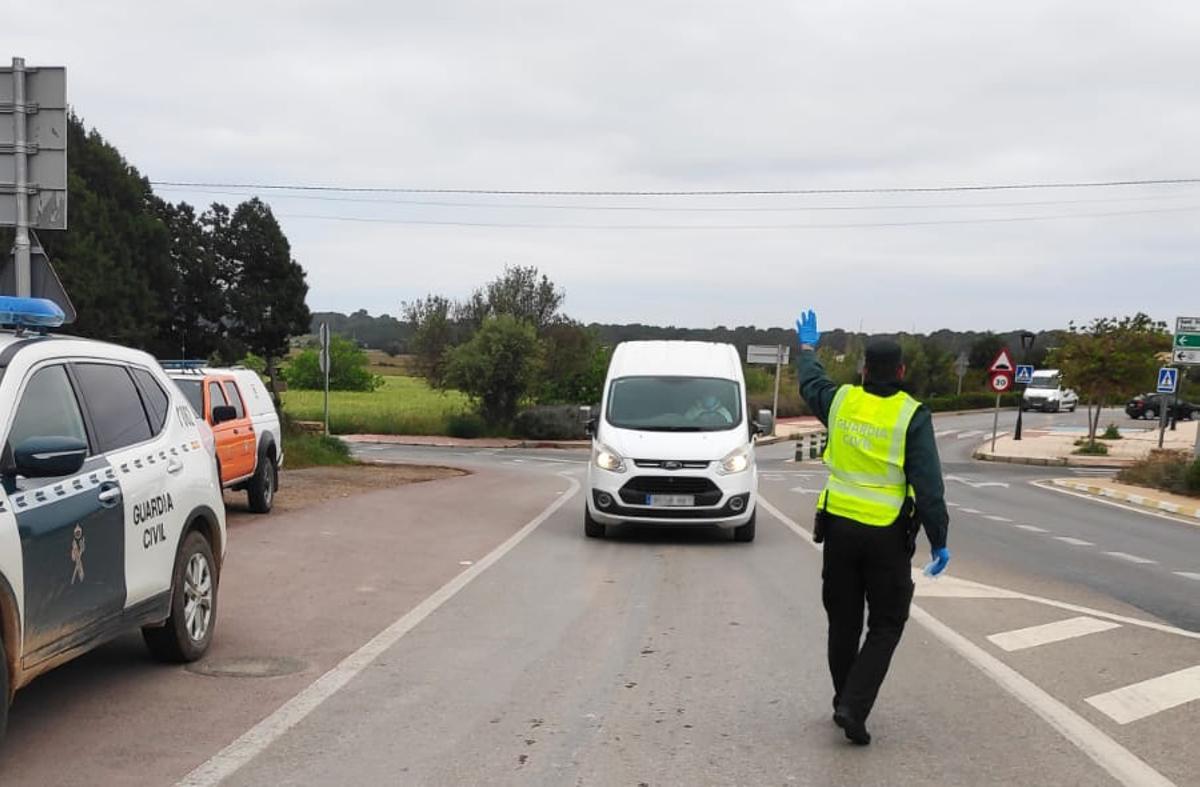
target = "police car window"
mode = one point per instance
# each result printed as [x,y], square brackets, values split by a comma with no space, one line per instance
[114,405]
[193,391]
[154,397]
[216,397]
[48,408]
[235,399]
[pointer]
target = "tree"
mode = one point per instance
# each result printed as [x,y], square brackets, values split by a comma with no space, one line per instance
[199,308]
[268,287]
[984,351]
[1110,359]
[518,292]
[433,334]
[498,367]
[575,364]
[348,368]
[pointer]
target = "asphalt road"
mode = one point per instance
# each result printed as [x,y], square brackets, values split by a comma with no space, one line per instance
[465,632]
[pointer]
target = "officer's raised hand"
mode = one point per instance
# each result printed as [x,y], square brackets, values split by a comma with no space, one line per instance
[806,329]
[941,558]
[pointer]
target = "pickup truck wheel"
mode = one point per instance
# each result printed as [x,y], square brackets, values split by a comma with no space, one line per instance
[745,533]
[189,630]
[262,486]
[3,691]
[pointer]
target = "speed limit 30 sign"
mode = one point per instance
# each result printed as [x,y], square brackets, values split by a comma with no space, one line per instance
[1000,381]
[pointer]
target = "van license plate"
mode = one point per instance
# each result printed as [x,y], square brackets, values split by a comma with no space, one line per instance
[670,500]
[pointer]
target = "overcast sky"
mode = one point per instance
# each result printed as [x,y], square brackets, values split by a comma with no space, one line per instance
[677,95]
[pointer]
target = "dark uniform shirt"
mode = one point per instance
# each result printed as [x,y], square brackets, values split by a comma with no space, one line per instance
[921,463]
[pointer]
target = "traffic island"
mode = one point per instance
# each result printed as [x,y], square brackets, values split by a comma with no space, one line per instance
[1058,447]
[1138,496]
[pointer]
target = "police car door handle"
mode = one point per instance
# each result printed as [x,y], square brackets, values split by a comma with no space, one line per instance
[174,466]
[110,496]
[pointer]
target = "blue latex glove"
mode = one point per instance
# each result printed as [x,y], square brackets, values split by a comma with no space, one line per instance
[806,328]
[941,557]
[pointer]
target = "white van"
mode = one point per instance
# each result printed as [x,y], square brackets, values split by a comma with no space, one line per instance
[673,443]
[1046,392]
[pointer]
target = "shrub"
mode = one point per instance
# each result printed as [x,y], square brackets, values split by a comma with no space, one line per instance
[1111,433]
[497,367]
[1087,448]
[465,425]
[1170,471]
[348,370]
[550,422]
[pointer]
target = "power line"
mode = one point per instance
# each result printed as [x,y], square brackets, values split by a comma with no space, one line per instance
[733,227]
[700,193]
[678,209]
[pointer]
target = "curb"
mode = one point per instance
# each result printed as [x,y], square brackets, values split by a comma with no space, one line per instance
[1098,463]
[1147,501]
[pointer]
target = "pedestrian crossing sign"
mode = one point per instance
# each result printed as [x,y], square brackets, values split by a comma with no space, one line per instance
[1024,373]
[1167,379]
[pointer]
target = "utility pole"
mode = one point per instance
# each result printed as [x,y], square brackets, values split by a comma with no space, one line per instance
[21,245]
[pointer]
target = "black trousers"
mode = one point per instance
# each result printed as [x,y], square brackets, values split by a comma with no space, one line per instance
[864,565]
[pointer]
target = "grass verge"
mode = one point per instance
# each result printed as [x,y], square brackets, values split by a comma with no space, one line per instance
[1170,471]
[403,405]
[314,450]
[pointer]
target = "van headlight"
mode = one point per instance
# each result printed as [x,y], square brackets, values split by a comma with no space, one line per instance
[736,461]
[607,459]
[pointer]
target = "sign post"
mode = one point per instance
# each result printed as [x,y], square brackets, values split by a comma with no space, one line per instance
[960,367]
[1000,379]
[1185,351]
[1168,381]
[33,148]
[324,361]
[770,354]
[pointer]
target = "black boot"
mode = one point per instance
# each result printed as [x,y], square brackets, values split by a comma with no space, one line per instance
[856,731]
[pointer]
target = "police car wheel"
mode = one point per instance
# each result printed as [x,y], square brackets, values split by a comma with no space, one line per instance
[3,691]
[745,533]
[261,488]
[189,630]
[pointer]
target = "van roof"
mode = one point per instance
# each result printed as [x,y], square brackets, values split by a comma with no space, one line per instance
[1046,373]
[675,359]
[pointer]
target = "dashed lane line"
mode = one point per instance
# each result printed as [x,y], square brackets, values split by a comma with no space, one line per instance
[1031,528]
[970,510]
[1131,558]
[1188,575]
[1058,631]
[1139,700]
[1075,542]
[996,518]
[254,741]
[1122,764]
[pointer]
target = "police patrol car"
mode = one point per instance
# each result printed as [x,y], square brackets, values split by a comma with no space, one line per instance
[111,514]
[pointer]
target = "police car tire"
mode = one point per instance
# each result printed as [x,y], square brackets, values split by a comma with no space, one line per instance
[745,533]
[262,486]
[3,690]
[171,642]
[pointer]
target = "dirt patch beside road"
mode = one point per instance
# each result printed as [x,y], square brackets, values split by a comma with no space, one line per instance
[313,485]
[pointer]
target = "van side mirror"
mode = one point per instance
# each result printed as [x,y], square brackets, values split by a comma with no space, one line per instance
[222,413]
[589,420]
[764,423]
[49,457]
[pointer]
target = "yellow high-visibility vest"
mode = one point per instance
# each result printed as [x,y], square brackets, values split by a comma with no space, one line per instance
[865,455]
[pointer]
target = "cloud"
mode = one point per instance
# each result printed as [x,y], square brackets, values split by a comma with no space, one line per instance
[679,95]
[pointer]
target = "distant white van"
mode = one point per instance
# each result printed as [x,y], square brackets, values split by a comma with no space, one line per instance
[673,443]
[1046,392]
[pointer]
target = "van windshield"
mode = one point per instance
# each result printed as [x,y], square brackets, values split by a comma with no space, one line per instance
[675,404]
[1044,382]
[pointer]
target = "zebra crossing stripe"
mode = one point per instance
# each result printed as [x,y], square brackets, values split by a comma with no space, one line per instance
[1139,700]
[1059,630]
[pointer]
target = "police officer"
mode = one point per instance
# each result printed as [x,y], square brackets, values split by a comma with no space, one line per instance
[885,482]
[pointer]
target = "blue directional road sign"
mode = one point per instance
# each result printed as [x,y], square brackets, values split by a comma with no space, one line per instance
[1024,373]
[1167,379]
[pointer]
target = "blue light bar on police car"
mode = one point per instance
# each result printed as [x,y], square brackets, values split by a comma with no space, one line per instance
[30,312]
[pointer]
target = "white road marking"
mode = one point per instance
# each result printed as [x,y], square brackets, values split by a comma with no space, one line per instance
[1150,696]
[1188,575]
[1059,630]
[952,505]
[966,435]
[1031,528]
[254,741]
[801,490]
[969,510]
[1131,558]
[1105,501]
[1122,764]
[945,433]
[1075,542]
[995,518]
[976,484]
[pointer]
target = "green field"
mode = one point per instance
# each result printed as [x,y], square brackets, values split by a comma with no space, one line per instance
[402,405]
